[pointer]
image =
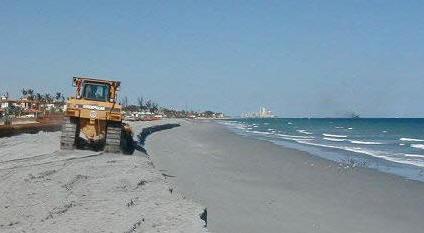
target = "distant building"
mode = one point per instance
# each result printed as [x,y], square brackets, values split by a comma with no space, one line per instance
[220,115]
[29,107]
[5,102]
[25,103]
[263,113]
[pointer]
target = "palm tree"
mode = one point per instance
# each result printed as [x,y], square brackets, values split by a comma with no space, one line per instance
[24,92]
[59,100]
[48,98]
[38,97]
[155,107]
[148,105]
[140,101]
[30,93]
[58,96]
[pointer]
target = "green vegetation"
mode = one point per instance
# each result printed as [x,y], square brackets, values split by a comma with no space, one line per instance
[150,106]
[141,106]
[47,98]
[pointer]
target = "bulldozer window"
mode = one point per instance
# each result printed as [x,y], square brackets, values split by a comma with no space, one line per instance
[93,91]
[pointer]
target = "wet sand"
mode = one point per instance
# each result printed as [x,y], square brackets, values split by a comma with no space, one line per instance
[255,186]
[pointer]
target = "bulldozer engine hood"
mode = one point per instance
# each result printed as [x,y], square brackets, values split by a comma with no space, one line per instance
[97,107]
[93,110]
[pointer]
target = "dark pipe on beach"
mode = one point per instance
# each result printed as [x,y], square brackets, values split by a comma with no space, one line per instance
[204,216]
[148,131]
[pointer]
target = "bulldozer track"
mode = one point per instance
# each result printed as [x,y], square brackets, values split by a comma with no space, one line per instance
[113,138]
[69,131]
[51,161]
[26,159]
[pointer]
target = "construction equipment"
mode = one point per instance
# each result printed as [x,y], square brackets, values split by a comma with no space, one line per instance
[94,118]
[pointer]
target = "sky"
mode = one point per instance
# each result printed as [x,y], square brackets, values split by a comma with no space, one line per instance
[298,58]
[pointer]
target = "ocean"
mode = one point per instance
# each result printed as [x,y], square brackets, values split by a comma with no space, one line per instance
[390,145]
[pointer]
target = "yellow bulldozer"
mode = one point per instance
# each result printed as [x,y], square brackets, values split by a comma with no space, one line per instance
[94,118]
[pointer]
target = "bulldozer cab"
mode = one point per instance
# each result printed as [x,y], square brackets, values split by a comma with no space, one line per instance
[96,89]
[98,92]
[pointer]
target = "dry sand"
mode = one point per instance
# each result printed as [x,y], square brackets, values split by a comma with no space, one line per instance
[255,186]
[43,189]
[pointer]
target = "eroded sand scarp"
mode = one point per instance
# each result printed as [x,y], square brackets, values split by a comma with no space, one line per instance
[44,189]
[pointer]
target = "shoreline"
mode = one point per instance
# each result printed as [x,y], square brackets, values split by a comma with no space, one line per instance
[282,189]
[354,151]
[341,164]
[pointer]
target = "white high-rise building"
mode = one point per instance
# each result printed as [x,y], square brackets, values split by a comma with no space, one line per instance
[263,113]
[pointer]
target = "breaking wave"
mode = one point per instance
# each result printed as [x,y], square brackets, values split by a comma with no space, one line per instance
[365,143]
[335,139]
[377,154]
[261,132]
[414,155]
[334,135]
[411,140]
[418,146]
[304,132]
[294,136]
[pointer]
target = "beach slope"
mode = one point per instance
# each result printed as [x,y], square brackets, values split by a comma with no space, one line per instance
[250,185]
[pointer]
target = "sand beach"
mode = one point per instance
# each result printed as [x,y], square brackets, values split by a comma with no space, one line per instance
[250,185]
[183,167]
[44,189]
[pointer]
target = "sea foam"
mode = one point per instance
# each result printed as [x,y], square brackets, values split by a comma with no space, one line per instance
[334,135]
[294,136]
[334,139]
[365,143]
[418,146]
[377,154]
[414,155]
[304,131]
[261,132]
[411,140]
